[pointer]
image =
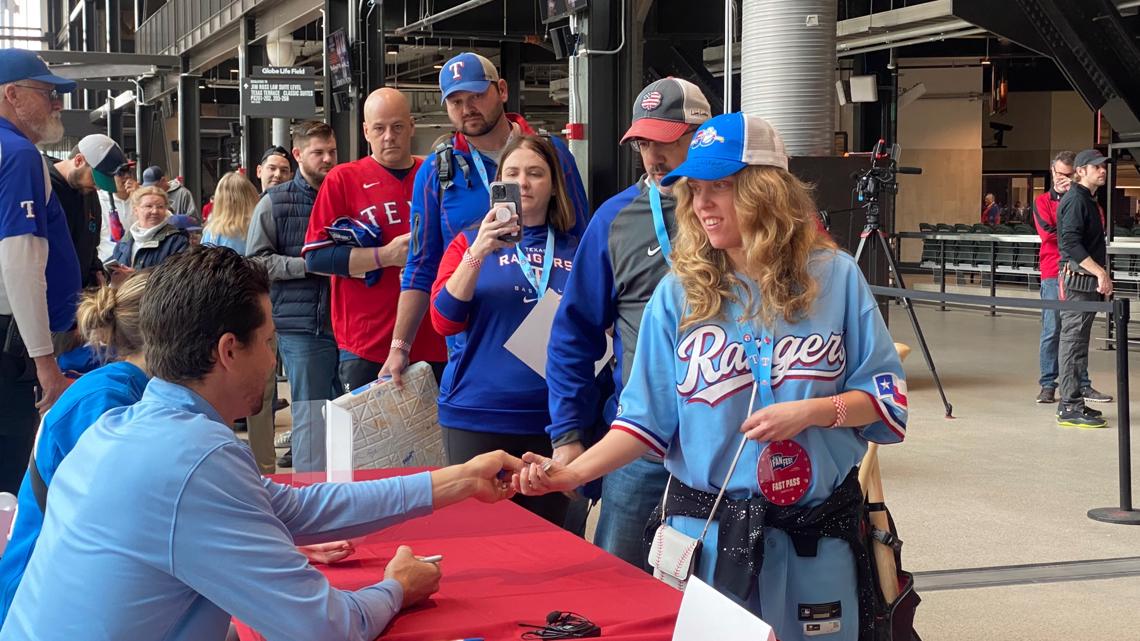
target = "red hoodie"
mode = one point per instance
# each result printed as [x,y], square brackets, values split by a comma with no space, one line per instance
[1045,219]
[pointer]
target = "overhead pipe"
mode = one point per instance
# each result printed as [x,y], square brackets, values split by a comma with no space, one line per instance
[442,15]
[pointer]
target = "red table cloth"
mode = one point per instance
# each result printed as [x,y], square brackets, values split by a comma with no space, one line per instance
[503,566]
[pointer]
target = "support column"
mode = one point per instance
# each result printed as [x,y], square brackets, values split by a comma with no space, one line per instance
[342,14]
[189,133]
[510,64]
[607,99]
[90,43]
[114,45]
[144,116]
[282,52]
[255,134]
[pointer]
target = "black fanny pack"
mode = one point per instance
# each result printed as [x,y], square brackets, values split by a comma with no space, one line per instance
[1077,280]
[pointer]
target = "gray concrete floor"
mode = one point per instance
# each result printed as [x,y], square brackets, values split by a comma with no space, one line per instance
[1001,484]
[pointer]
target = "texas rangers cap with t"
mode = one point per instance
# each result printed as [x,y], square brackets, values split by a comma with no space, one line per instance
[666,109]
[105,157]
[728,143]
[1089,157]
[21,64]
[467,72]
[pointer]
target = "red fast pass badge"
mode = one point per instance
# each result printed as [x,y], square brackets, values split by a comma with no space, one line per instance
[784,472]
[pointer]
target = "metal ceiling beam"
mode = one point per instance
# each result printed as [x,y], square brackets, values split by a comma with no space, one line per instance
[884,20]
[442,15]
[965,33]
[103,58]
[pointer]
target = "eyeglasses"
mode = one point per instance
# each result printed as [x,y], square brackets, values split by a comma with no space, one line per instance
[1063,174]
[639,145]
[52,94]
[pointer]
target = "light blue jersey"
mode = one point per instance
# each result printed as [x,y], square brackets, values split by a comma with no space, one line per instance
[689,393]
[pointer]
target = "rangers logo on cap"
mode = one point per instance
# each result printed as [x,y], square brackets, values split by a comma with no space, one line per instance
[705,137]
[651,101]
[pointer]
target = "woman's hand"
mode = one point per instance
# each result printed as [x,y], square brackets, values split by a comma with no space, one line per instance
[542,475]
[487,241]
[781,421]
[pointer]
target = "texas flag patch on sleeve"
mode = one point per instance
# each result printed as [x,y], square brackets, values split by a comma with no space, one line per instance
[889,386]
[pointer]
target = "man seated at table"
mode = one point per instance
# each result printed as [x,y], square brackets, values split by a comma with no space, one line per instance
[159,525]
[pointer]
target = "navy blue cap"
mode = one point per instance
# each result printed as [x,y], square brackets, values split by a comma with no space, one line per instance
[1089,157]
[728,143]
[21,64]
[152,174]
[467,72]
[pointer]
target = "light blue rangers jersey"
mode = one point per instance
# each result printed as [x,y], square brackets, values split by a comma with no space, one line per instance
[689,393]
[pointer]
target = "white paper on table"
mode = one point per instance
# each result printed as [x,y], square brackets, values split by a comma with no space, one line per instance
[530,340]
[707,614]
[338,443]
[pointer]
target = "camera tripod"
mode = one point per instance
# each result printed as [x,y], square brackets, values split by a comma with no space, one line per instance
[872,230]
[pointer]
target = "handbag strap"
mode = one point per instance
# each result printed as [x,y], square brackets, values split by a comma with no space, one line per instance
[727,477]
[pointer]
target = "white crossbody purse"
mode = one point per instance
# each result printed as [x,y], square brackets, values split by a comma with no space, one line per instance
[673,555]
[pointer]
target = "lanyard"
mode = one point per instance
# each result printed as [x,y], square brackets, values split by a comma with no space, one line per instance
[758,347]
[659,222]
[547,264]
[479,167]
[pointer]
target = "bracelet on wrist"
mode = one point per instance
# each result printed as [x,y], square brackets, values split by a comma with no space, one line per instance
[401,345]
[471,261]
[840,411]
[376,256]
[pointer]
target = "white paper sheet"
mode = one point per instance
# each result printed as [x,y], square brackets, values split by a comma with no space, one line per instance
[530,340]
[707,614]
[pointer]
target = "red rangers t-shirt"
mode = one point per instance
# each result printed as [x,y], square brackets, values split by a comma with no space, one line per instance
[363,317]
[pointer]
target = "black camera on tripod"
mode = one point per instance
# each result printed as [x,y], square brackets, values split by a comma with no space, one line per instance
[882,176]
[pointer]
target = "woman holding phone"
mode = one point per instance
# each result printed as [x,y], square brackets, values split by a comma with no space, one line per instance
[486,288]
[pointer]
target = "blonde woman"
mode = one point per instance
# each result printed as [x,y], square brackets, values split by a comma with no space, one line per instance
[765,346]
[108,319]
[234,200]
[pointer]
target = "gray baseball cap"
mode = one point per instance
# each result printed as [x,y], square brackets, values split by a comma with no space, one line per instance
[1089,157]
[666,109]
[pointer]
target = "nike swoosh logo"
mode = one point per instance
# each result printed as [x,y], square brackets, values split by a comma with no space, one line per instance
[529,300]
[653,251]
[369,185]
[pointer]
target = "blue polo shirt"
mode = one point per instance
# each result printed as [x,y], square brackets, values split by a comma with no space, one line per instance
[113,385]
[160,527]
[28,206]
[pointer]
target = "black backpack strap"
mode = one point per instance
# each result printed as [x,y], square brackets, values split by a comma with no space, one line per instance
[39,487]
[443,156]
[1052,229]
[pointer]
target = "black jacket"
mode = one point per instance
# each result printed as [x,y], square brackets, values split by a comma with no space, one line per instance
[300,305]
[84,222]
[1080,230]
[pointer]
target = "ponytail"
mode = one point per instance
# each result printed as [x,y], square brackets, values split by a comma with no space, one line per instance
[108,318]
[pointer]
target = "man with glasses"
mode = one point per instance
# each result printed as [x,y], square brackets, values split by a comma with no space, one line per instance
[276,167]
[621,258]
[76,181]
[40,276]
[451,188]
[1045,218]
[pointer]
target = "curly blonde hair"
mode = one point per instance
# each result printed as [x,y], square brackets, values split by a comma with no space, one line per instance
[777,219]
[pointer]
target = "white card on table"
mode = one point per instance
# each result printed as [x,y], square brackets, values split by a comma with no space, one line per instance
[338,443]
[707,614]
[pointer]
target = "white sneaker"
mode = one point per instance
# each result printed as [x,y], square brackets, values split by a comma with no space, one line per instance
[284,439]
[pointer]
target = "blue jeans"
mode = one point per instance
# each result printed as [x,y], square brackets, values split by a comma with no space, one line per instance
[629,496]
[311,366]
[1051,338]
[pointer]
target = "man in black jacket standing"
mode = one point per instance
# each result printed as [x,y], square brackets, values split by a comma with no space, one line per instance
[300,299]
[1084,275]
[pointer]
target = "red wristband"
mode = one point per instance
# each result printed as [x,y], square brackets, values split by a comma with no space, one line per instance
[840,411]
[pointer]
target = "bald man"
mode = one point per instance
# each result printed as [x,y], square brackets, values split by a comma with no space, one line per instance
[375,192]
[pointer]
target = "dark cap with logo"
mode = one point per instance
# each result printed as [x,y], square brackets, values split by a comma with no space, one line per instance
[666,109]
[1089,157]
[106,159]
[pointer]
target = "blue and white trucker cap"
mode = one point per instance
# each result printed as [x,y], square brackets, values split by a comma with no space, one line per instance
[728,143]
[467,72]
